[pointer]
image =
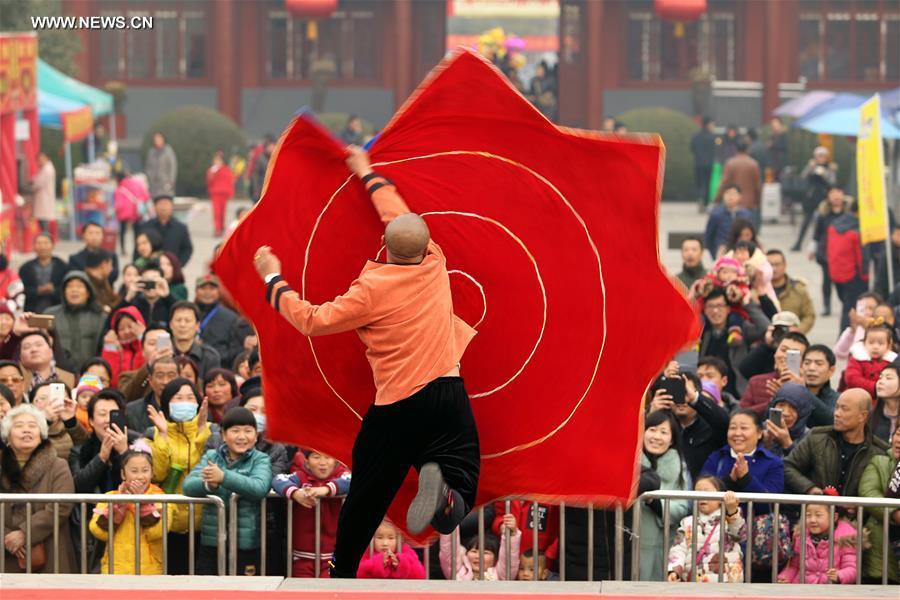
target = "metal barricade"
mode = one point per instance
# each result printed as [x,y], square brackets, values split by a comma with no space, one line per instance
[82,500]
[753,501]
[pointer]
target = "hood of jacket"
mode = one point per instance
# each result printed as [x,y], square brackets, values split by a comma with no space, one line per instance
[128,311]
[844,223]
[300,465]
[800,398]
[83,277]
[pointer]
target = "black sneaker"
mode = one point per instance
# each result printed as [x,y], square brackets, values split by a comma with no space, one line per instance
[432,491]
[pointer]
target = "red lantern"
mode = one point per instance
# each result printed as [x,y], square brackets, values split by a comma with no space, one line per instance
[311,9]
[680,10]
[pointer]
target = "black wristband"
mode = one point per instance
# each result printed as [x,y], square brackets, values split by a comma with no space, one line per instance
[729,515]
[369,177]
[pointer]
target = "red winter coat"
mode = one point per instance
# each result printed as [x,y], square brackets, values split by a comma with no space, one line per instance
[220,181]
[408,566]
[756,397]
[304,525]
[125,357]
[845,258]
[862,371]
[548,525]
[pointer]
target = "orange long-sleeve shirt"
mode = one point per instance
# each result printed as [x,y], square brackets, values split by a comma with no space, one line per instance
[402,313]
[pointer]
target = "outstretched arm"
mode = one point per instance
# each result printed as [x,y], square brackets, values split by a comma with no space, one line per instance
[387,201]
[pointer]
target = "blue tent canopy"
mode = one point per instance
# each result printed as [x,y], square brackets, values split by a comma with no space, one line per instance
[62,85]
[836,102]
[51,107]
[846,122]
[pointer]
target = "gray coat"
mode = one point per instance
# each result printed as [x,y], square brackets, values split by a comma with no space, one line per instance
[162,170]
[80,328]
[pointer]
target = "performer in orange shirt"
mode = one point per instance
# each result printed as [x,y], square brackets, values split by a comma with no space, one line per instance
[402,310]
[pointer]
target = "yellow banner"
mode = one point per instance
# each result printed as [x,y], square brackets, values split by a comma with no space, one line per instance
[77,124]
[870,174]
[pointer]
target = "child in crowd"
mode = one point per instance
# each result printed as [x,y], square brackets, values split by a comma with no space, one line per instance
[867,362]
[859,319]
[236,466]
[709,537]
[316,477]
[467,556]
[817,532]
[526,567]
[387,562]
[548,525]
[137,471]
[87,387]
[729,275]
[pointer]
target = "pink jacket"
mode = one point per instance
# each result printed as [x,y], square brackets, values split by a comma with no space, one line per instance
[817,557]
[408,567]
[465,572]
[128,196]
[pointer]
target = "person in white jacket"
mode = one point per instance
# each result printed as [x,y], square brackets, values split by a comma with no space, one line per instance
[709,537]
[467,559]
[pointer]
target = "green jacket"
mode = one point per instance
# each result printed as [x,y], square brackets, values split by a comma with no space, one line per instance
[795,298]
[816,462]
[668,467]
[873,484]
[250,477]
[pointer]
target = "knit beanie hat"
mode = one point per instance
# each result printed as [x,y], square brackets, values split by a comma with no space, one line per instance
[729,262]
[238,416]
[88,383]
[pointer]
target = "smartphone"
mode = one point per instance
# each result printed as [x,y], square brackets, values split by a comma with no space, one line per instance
[40,321]
[147,284]
[687,361]
[775,416]
[860,308]
[163,340]
[57,395]
[117,418]
[793,361]
[674,387]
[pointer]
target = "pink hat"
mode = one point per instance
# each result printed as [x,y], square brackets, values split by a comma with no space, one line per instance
[728,262]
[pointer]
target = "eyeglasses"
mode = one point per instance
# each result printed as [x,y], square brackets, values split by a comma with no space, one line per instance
[717,306]
[15,379]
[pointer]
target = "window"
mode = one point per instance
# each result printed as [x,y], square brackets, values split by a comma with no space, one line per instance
[892,48]
[112,42]
[668,51]
[571,33]
[846,40]
[165,26]
[343,46]
[139,49]
[194,56]
[175,48]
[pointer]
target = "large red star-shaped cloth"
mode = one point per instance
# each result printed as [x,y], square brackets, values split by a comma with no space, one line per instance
[551,242]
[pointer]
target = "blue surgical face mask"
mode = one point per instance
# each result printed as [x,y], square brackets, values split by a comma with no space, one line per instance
[181,412]
[260,422]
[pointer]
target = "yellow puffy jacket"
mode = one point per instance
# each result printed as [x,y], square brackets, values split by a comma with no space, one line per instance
[183,446]
[123,540]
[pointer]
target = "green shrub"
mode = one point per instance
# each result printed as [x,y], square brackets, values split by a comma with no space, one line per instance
[676,129]
[195,133]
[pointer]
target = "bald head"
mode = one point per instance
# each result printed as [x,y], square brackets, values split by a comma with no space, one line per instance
[851,411]
[406,238]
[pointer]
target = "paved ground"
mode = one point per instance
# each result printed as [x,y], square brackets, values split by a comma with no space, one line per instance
[675,217]
[87,587]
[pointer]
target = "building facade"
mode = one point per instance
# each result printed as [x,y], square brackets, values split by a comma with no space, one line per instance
[257,62]
[621,54]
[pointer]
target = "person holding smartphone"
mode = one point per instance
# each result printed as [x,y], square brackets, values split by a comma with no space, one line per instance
[54,400]
[786,423]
